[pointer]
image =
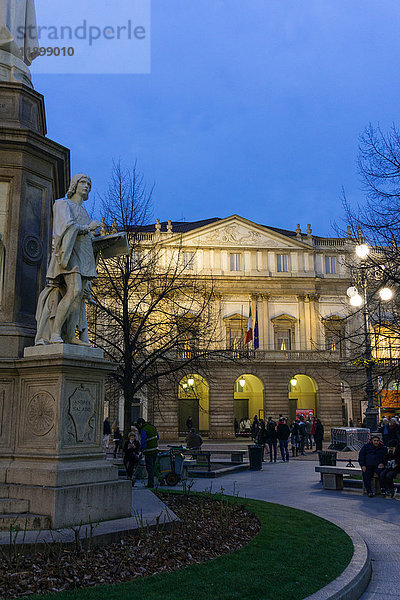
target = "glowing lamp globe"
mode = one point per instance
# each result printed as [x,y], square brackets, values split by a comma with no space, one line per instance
[293,382]
[386,294]
[352,291]
[362,251]
[356,300]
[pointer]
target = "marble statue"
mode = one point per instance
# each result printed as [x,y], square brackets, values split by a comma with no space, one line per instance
[61,314]
[18,39]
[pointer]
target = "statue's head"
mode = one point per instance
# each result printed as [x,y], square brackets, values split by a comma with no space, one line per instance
[74,183]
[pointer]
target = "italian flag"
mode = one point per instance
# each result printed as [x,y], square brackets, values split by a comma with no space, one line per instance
[249,332]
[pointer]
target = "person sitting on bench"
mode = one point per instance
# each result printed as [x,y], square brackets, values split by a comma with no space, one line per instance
[371,459]
[194,440]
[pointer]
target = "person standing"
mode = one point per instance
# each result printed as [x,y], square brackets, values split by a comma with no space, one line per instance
[271,438]
[149,447]
[308,425]
[371,459]
[302,434]
[106,432]
[117,438]
[283,433]
[391,462]
[131,455]
[261,436]
[318,435]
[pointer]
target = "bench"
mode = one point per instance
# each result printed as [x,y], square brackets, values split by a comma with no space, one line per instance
[236,455]
[332,477]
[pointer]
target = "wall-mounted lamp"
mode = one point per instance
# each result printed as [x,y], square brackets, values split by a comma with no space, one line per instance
[184,385]
[242,382]
[190,382]
[293,382]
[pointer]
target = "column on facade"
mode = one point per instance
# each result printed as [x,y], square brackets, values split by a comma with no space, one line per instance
[265,342]
[314,320]
[220,334]
[302,323]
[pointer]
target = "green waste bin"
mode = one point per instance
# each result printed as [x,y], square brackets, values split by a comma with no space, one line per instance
[255,457]
[327,458]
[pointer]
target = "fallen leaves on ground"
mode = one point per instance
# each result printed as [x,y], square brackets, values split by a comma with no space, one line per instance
[208,528]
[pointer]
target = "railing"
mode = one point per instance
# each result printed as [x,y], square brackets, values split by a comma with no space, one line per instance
[329,242]
[260,355]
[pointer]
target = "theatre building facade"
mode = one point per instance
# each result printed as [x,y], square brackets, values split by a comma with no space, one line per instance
[295,285]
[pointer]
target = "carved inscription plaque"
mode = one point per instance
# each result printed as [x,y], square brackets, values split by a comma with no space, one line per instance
[81,409]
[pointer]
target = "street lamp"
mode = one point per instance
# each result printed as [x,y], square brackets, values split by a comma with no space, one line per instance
[358,300]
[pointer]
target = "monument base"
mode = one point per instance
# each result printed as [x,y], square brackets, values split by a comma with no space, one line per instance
[52,463]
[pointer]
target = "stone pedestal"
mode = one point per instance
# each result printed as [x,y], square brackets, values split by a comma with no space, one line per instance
[51,418]
[34,171]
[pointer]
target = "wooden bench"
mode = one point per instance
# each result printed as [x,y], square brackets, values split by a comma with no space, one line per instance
[332,477]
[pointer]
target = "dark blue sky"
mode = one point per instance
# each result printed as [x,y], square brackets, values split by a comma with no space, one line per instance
[252,107]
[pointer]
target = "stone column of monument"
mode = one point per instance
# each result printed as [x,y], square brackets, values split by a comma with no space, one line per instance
[52,468]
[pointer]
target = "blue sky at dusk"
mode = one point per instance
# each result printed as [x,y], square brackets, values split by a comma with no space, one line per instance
[252,107]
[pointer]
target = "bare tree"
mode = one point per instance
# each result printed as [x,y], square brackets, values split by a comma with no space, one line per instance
[153,316]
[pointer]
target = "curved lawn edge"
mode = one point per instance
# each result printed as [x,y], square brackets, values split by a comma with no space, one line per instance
[352,583]
[284,560]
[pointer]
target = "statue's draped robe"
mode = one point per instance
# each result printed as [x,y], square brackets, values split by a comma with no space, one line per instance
[18,31]
[72,253]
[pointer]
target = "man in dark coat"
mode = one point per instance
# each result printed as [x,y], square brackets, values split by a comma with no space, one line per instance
[283,433]
[371,459]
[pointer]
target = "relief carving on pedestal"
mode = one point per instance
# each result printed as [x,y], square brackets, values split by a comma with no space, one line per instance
[81,409]
[41,414]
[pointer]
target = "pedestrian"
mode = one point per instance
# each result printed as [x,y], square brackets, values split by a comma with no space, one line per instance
[131,456]
[189,423]
[194,440]
[106,432]
[271,438]
[384,430]
[371,459]
[283,432]
[149,447]
[247,426]
[309,442]
[261,436]
[302,434]
[241,427]
[394,431]
[391,463]
[117,439]
[318,435]
[294,438]
[254,428]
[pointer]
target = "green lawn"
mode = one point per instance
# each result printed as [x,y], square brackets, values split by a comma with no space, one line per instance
[294,555]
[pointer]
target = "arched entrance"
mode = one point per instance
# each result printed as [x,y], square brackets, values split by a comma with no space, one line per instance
[302,395]
[193,401]
[248,397]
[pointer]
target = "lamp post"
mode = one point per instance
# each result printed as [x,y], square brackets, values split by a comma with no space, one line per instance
[358,300]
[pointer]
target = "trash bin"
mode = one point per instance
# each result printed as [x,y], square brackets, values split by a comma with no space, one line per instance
[255,457]
[327,458]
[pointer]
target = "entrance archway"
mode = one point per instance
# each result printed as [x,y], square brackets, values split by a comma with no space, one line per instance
[302,395]
[193,401]
[248,397]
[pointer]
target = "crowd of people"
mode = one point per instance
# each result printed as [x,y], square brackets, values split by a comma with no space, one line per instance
[302,434]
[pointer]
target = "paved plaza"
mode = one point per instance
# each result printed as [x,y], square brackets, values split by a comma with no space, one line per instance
[296,484]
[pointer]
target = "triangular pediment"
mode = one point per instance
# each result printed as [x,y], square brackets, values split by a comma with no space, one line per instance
[237,232]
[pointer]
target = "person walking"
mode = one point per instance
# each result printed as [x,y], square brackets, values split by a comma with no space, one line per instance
[371,459]
[294,438]
[283,432]
[149,447]
[318,435]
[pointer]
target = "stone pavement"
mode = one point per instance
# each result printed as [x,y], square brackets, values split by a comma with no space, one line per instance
[296,484]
